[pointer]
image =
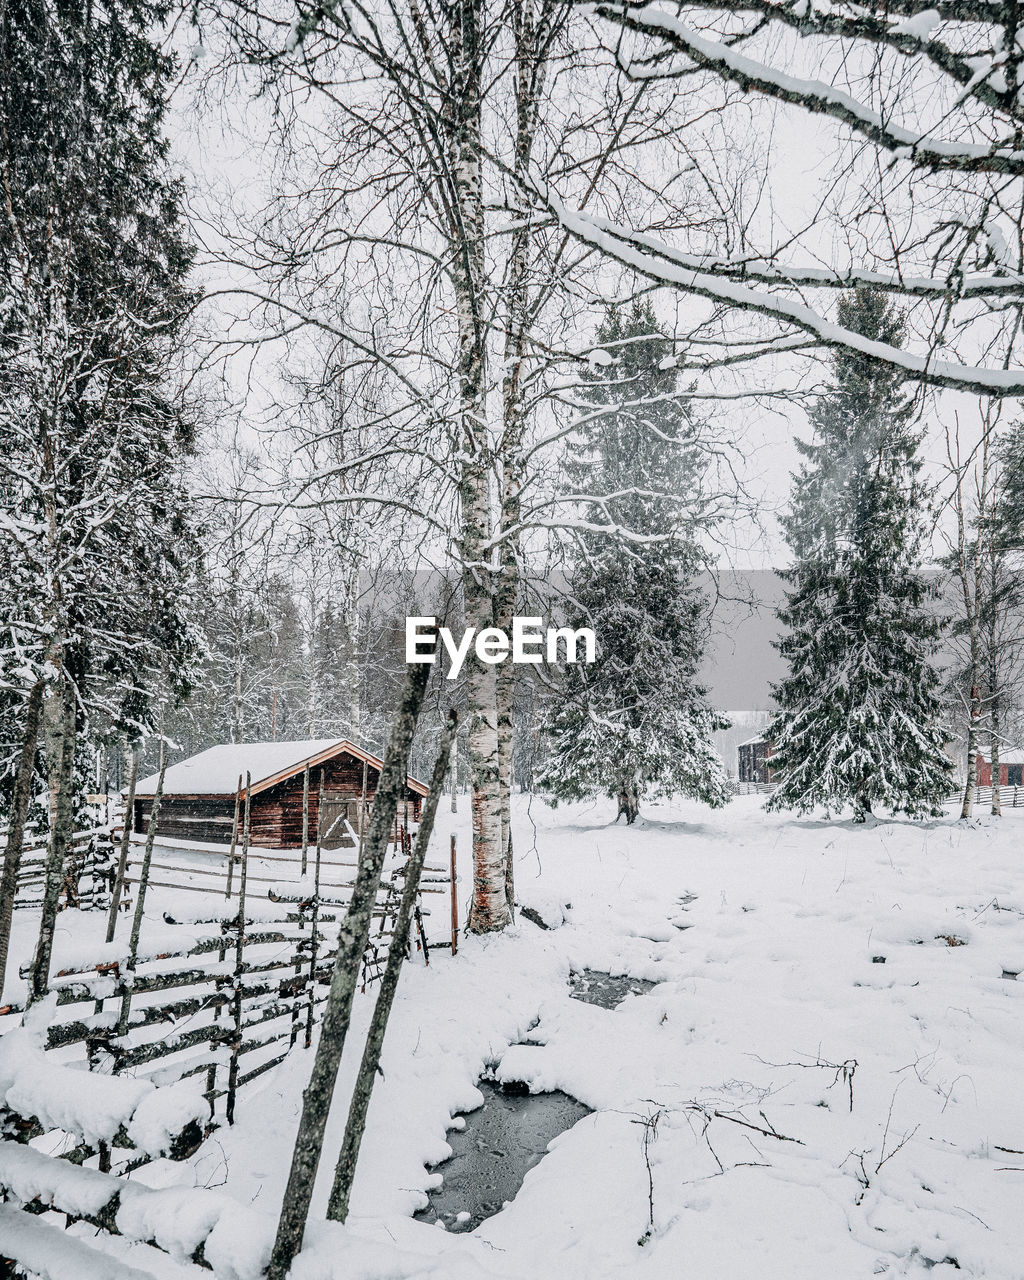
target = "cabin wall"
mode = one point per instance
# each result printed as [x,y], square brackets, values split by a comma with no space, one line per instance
[275,819]
[206,819]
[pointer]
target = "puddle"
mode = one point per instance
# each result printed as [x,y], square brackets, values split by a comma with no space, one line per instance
[594,987]
[491,1156]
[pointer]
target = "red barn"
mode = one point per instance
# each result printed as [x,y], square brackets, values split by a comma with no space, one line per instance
[1011,768]
[198,801]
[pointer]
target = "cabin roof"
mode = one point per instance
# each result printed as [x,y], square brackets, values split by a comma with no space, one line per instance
[1005,757]
[750,742]
[215,772]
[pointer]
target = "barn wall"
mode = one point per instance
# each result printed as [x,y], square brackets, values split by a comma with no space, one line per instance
[207,819]
[275,819]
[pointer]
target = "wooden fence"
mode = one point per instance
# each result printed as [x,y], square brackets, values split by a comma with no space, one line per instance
[738,788]
[249,978]
[1009,797]
[88,871]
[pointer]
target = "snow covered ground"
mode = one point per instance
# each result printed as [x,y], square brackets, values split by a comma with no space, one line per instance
[827,1077]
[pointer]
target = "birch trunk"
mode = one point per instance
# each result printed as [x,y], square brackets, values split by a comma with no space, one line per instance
[529,68]
[19,812]
[59,728]
[993,679]
[355,929]
[344,1173]
[463,109]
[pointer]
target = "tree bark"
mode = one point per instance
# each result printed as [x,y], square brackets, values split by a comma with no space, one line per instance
[59,722]
[993,679]
[19,813]
[126,840]
[629,803]
[463,109]
[352,937]
[344,1173]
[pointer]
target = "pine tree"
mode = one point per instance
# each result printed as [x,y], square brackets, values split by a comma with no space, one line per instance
[636,723]
[859,718]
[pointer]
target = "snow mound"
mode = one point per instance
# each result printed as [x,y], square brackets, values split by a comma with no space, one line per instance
[93,1107]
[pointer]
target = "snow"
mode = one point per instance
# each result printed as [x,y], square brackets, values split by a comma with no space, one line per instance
[1005,756]
[919,25]
[52,1254]
[27,1174]
[820,959]
[89,1105]
[216,771]
[164,1113]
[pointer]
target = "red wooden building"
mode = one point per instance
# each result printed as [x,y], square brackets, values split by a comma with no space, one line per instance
[198,801]
[1011,768]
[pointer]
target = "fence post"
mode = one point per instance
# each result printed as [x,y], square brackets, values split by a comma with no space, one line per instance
[122,861]
[234,838]
[236,1043]
[305,819]
[455,903]
[313,939]
[140,896]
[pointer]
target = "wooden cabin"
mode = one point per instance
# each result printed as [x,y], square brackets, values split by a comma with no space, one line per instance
[752,759]
[1011,768]
[198,801]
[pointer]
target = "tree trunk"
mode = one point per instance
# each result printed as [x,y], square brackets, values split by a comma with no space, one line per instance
[19,812]
[993,678]
[344,1173]
[629,803]
[973,736]
[463,109]
[59,724]
[355,929]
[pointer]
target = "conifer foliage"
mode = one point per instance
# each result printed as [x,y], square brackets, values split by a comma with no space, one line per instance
[636,723]
[859,718]
[99,542]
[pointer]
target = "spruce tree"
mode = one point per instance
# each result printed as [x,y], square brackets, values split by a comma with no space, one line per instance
[94,260]
[636,723]
[98,537]
[859,712]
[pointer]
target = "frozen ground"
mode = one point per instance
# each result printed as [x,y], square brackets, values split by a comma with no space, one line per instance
[736,1072]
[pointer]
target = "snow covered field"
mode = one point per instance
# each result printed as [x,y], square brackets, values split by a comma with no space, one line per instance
[773,1014]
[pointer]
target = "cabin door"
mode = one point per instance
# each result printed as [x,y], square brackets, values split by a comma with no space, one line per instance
[337,814]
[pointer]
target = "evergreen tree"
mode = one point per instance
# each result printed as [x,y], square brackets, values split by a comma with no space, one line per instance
[859,708]
[94,261]
[636,722]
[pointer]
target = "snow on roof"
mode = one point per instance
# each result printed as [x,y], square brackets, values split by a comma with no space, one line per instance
[1005,757]
[749,742]
[215,772]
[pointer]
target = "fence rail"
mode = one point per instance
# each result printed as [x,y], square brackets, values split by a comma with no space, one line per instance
[750,788]
[1009,797]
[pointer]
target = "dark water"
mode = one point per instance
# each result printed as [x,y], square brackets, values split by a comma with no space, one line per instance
[500,1144]
[594,987]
